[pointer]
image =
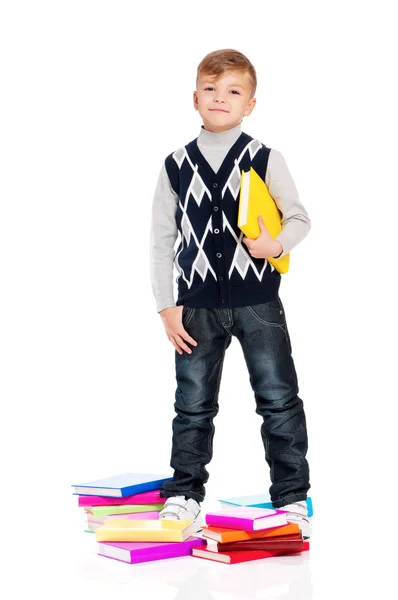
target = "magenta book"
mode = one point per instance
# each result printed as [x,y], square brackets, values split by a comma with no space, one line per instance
[152,497]
[247,518]
[137,552]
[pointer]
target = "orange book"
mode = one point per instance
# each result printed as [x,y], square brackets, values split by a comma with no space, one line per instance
[224,535]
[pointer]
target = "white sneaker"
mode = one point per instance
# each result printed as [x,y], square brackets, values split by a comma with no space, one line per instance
[177,508]
[298,513]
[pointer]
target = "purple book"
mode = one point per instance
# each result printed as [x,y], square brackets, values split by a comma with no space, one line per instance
[137,552]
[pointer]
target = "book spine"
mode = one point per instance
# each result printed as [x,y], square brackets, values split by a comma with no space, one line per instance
[167,550]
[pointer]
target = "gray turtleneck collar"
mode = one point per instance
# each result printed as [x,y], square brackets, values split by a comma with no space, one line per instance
[214,145]
[221,139]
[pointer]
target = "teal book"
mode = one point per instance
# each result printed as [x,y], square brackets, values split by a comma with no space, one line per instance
[257,501]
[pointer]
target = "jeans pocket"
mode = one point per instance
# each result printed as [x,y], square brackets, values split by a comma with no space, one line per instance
[269,313]
[187,314]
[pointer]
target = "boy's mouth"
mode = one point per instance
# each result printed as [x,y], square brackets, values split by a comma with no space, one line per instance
[218,110]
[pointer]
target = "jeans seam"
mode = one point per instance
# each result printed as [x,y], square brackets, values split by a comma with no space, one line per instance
[215,399]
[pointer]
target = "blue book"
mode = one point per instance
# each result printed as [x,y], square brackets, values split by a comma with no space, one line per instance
[258,501]
[119,486]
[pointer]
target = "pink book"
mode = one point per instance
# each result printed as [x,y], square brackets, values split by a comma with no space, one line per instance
[152,497]
[137,552]
[247,518]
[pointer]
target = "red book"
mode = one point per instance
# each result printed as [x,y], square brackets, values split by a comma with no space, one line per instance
[293,543]
[238,556]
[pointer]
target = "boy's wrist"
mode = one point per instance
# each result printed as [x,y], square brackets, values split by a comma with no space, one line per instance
[166,310]
[278,249]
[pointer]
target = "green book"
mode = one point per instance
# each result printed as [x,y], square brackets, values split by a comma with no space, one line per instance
[121,509]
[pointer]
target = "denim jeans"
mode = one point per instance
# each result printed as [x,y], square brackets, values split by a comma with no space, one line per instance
[263,335]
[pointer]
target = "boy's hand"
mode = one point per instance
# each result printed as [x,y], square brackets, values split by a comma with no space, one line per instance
[264,246]
[172,321]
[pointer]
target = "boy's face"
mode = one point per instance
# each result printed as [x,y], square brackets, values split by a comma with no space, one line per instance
[223,103]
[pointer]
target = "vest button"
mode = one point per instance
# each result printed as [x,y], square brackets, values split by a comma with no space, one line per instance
[215,185]
[219,255]
[215,208]
[216,231]
[221,278]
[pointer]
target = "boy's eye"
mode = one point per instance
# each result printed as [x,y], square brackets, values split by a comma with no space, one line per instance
[211,88]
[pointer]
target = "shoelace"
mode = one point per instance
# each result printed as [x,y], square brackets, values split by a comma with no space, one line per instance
[172,512]
[299,515]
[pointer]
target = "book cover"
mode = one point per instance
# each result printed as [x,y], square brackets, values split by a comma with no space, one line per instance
[137,552]
[152,497]
[119,486]
[257,501]
[244,555]
[247,518]
[255,200]
[225,535]
[149,530]
[294,543]
[120,509]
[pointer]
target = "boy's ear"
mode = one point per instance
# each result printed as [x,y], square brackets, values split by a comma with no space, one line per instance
[250,107]
[195,100]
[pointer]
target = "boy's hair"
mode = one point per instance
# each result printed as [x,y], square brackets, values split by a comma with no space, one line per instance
[220,61]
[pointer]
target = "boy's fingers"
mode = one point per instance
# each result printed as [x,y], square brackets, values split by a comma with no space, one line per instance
[184,334]
[182,344]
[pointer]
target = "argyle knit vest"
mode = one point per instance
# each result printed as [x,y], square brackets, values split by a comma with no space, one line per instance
[215,267]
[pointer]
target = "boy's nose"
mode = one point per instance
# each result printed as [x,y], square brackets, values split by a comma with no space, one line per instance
[219,96]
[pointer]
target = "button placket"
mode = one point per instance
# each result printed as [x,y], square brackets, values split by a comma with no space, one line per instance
[218,242]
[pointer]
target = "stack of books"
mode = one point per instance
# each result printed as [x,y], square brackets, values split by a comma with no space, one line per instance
[239,534]
[132,495]
[100,509]
[122,511]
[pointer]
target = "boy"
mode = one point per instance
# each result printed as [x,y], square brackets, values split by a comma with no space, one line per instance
[226,287]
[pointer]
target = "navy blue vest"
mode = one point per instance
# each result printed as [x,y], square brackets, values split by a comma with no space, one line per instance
[214,265]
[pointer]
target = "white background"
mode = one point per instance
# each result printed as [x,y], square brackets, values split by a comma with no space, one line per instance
[94,96]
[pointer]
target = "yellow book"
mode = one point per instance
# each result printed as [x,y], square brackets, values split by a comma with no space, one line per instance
[145,530]
[255,200]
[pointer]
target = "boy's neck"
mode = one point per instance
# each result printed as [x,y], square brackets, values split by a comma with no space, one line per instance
[221,138]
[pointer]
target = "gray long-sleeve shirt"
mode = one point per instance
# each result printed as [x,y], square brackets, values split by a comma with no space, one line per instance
[163,234]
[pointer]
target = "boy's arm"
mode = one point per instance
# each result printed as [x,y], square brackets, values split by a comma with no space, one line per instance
[163,235]
[295,222]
